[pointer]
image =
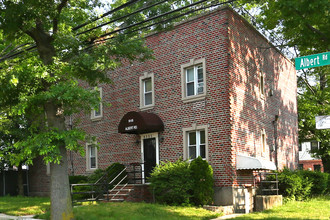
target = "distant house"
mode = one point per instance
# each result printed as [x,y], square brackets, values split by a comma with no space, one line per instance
[216,89]
[306,160]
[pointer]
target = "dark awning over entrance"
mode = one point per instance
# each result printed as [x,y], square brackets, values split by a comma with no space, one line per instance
[140,123]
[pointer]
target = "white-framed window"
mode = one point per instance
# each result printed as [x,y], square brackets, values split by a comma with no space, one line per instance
[193,77]
[97,113]
[147,94]
[91,157]
[195,142]
[263,142]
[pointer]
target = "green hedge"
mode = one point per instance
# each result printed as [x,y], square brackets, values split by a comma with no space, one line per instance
[302,184]
[202,174]
[293,186]
[319,181]
[183,183]
[172,183]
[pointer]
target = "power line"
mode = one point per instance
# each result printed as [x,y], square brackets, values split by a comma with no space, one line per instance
[152,18]
[106,14]
[12,55]
[166,20]
[130,26]
[122,17]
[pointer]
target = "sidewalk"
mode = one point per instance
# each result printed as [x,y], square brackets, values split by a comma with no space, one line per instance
[9,217]
[231,216]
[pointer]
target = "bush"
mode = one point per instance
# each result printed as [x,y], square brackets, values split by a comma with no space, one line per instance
[293,186]
[202,175]
[181,183]
[172,183]
[113,170]
[319,181]
[78,179]
[109,173]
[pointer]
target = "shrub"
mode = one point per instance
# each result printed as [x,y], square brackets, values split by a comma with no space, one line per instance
[319,181]
[202,175]
[172,183]
[109,173]
[293,186]
[78,179]
[113,170]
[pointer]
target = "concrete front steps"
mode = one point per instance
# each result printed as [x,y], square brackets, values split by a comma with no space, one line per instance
[130,193]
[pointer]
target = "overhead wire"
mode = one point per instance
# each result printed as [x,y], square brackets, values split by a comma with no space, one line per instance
[106,14]
[151,18]
[122,17]
[164,21]
[12,55]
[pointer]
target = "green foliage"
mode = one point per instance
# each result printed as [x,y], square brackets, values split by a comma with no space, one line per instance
[101,178]
[304,26]
[78,179]
[293,186]
[302,23]
[319,181]
[172,182]
[183,183]
[202,174]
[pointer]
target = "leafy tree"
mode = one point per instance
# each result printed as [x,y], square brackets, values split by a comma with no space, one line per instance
[304,27]
[44,80]
[47,48]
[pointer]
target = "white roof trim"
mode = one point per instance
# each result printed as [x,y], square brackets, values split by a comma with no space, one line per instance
[252,163]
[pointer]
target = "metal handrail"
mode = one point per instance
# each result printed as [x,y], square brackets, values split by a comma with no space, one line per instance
[106,188]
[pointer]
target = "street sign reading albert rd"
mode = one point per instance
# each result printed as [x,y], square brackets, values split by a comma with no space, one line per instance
[321,59]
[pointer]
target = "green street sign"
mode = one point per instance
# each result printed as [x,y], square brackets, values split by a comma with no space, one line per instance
[320,59]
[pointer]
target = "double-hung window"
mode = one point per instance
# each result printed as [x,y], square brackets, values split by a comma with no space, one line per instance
[196,144]
[193,76]
[147,96]
[91,156]
[194,80]
[147,92]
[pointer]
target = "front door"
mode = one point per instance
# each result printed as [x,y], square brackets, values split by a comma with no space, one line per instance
[149,153]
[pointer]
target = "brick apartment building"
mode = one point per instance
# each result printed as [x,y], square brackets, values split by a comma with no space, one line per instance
[216,89]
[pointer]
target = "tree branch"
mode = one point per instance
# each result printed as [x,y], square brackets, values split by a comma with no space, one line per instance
[310,27]
[59,9]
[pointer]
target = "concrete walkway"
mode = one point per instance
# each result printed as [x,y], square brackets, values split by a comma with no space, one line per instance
[231,216]
[9,217]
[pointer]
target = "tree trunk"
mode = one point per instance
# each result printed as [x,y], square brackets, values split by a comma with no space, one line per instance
[61,203]
[326,163]
[20,181]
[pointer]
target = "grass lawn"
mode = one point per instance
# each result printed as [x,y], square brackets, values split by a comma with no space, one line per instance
[134,211]
[137,211]
[23,205]
[317,208]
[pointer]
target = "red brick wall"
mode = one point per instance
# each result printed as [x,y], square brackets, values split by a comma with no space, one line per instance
[232,109]
[309,164]
[252,112]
